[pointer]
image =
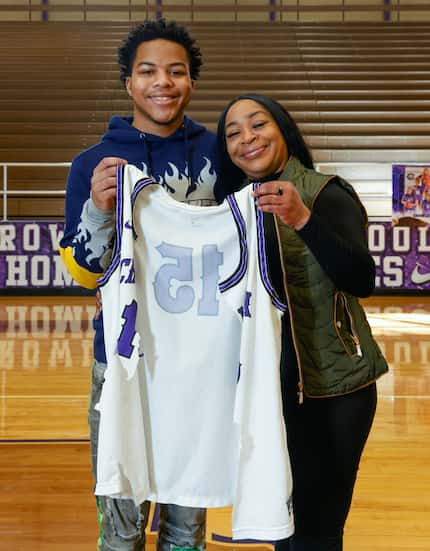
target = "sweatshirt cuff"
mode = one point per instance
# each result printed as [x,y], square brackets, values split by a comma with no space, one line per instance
[310,227]
[97,215]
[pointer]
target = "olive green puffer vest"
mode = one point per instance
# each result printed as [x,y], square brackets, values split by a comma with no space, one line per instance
[336,351]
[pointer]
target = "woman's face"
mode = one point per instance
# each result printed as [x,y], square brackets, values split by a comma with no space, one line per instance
[254,142]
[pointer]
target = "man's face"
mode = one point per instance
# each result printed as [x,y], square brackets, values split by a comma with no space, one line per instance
[160,85]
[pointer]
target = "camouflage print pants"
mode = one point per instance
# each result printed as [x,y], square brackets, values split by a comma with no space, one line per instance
[122,523]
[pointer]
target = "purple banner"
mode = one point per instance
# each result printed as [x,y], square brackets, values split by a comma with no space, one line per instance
[401,253]
[29,255]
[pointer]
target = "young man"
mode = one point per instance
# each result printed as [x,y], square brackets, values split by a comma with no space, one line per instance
[159,64]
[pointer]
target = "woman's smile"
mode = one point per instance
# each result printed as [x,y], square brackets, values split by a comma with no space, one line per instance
[253,153]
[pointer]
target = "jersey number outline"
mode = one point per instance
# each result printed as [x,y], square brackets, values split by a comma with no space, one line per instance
[182,270]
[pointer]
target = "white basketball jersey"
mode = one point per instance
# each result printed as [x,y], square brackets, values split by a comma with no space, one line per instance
[191,408]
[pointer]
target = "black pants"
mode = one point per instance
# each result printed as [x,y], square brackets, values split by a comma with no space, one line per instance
[326,437]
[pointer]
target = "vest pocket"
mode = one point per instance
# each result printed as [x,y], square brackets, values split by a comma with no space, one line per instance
[345,327]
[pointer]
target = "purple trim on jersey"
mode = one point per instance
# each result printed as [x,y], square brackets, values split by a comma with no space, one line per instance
[119,224]
[262,260]
[243,262]
[141,184]
[119,217]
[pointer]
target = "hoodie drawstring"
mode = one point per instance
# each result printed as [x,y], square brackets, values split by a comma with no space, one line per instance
[192,186]
[147,154]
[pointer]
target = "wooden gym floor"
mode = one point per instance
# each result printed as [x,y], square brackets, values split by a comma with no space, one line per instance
[46,501]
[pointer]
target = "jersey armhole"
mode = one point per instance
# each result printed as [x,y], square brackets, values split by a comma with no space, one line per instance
[118,226]
[277,300]
[140,184]
[238,274]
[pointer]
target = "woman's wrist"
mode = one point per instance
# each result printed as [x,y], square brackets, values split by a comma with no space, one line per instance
[303,220]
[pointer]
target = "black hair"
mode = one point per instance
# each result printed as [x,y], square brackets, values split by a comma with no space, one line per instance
[153,30]
[232,177]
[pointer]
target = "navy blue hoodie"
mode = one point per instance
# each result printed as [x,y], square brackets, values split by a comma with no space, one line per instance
[185,163]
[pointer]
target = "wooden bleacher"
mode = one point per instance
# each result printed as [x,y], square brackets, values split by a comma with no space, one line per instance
[360,92]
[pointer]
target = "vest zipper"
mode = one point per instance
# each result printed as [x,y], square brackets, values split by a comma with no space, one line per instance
[301,389]
[300,392]
[353,329]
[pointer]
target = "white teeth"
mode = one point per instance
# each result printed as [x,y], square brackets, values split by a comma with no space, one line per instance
[162,99]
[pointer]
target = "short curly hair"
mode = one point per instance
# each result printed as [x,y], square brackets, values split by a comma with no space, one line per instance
[153,30]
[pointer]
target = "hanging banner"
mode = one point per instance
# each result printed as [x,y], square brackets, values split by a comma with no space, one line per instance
[406,253]
[401,255]
[411,195]
[29,257]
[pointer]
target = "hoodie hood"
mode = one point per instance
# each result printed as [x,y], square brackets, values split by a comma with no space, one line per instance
[187,157]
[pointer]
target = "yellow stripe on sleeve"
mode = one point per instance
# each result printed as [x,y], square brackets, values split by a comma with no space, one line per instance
[83,277]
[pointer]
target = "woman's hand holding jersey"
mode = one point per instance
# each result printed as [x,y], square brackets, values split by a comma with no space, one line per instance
[283,199]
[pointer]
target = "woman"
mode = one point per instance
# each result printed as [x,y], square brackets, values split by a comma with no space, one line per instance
[330,361]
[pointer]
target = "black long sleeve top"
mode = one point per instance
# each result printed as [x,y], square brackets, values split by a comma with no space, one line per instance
[336,235]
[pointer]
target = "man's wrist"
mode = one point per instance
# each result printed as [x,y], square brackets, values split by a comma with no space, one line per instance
[98,215]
